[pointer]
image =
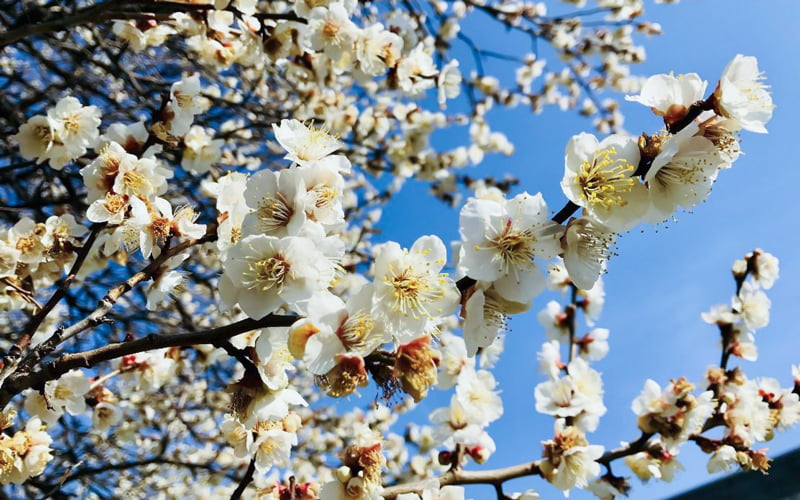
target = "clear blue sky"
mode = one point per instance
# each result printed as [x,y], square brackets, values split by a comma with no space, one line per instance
[663,278]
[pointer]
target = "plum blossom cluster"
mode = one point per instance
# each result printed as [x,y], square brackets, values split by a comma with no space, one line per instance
[616,183]
[61,135]
[749,308]
[36,253]
[749,410]
[24,454]
[573,393]
[460,428]
[287,286]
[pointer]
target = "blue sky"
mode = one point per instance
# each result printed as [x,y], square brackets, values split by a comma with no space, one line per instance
[663,277]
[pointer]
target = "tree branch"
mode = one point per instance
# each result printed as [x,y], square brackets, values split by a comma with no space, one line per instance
[246,480]
[53,370]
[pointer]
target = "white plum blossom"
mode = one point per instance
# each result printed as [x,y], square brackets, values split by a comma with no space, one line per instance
[766,269]
[277,201]
[376,49]
[333,328]
[202,150]
[475,392]
[410,290]
[237,436]
[449,82]
[598,177]
[485,313]
[578,394]
[682,174]
[669,95]
[64,134]
[330,30]
[185,102]
[500,241]
[453,360]
[308,145]
[723,459]
[570,461]
[549,359]
[587,246]
[675,413]
[273,448]
[263,273]
[753,306]
[66,394]
[661,465]
[742,97]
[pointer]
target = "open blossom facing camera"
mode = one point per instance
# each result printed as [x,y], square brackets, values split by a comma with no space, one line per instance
[185,102]
[263,273]
[500,241]
[569,460]
[599,177]
[308,145]
[411,293]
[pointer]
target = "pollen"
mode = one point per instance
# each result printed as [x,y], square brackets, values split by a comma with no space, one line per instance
[160,227]
[274,212]
[513,247]
[356,331]
[412,293]
[183,100]
[330,30]
[606,179]
[72,124]
[135,182]
[114,203]
[325,196]
[270,272]
[28,244]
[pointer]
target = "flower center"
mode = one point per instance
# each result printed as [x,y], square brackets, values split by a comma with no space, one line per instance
[43,133]
[270,272]
[411,293]
[274,213]
[183,100]
[513,247]
[135,182]
[355,331]
[604,181]
[330,29]
[72,124]
[115,202]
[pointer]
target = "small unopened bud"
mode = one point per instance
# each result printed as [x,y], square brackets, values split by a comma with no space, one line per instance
[292,423]
[343,474]
[479,453]
[445,458]
[739,269]
[760,461]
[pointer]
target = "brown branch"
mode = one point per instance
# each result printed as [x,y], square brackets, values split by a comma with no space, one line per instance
[246,480]
[457,476]
[51,371]
[95,14]
[97,316]
[122,10]
[36,321]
